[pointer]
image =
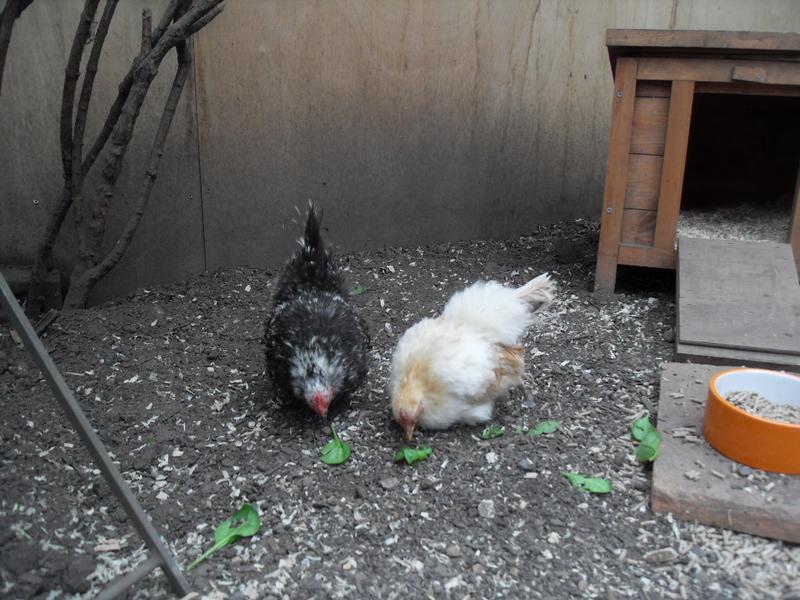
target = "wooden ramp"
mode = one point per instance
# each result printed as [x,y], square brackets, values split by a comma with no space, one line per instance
[738,303]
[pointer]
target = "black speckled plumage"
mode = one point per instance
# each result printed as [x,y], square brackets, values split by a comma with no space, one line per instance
[316,342]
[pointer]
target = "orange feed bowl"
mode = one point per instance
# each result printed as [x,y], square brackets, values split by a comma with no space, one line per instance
[754,441]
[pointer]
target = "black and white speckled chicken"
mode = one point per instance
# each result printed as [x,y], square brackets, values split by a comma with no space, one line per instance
[316,342]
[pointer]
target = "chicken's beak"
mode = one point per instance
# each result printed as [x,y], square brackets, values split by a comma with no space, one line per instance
[409,429]
[321,404]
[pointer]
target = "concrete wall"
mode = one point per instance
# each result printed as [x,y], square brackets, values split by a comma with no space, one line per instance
[410,122]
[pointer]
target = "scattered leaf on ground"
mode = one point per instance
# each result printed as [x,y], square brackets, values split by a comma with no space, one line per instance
[596,485]
[493,431]
[412,455]
[243,524]
[359,289]
[649,439]
[544,427]
[649,447]
[336,451]
[640,428]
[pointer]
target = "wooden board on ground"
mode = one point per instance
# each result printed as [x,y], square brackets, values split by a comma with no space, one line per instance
[720,495]
[738,294]
[736,358]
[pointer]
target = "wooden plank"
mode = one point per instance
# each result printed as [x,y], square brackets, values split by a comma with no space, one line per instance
[748,74]
[704,40]
[616,175]
[647,256]
[739,326]
[711,500]
[653,89]
[749,253]
[677,141]
[736,294]
[716,69]
[745,89]
[644,181]
[638,226]
[649,126]
[736,357]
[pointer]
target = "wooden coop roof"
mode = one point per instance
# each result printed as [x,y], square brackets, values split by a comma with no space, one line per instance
[677,43]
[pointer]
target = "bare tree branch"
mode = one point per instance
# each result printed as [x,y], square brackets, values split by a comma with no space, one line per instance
[91,243]
[169,15]
[79,128]
[125,85]
[146,70]
[71,150]
[205,20]
[42,263]
[111,119]
[156,152]
[11,12]
[180,20]
[182,28]
[86,90]
[176,8]
[73,72]
[44,254]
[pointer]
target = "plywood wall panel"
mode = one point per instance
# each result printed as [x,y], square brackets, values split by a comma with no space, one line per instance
[410,122]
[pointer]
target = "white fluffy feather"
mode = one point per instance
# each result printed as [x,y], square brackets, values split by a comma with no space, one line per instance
[456,365]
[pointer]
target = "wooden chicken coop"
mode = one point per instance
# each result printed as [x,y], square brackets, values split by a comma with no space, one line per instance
[661,80]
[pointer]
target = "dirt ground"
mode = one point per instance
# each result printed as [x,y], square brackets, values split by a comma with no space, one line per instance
[173,380]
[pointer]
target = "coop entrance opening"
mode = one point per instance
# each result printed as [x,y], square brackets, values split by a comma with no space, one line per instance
[741,167]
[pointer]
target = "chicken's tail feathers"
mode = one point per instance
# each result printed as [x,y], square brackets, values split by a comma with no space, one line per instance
[312,238]
[538,292]
[314,254]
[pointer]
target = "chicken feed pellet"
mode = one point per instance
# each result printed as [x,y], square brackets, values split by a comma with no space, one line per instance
[758,405]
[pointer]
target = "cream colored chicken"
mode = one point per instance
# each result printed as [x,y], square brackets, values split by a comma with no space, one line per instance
[451,369]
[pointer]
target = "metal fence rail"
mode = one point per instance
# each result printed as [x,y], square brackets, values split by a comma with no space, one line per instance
[160,555]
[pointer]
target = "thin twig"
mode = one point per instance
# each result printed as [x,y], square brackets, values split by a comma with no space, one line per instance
[205,20]
[45,322]
[147,27]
